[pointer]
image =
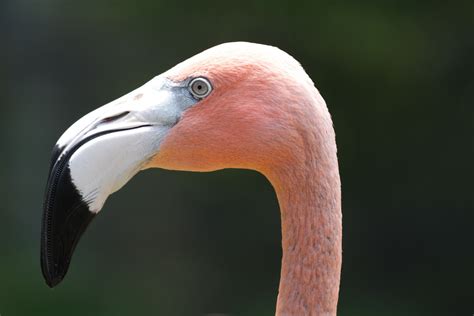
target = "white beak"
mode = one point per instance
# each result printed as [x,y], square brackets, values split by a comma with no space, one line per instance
[96,156]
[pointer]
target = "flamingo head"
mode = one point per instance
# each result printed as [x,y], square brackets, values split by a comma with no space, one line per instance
[236,105]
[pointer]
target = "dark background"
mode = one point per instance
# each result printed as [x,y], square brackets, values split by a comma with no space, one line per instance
[398,77]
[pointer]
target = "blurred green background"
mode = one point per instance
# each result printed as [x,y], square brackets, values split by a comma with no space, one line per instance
[398,77]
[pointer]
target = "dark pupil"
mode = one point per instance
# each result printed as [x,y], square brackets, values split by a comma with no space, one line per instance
[199,88]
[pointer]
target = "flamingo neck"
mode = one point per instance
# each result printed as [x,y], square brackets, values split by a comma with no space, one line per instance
[309,196]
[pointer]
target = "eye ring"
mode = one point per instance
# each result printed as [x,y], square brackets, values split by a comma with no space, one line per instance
[200,87]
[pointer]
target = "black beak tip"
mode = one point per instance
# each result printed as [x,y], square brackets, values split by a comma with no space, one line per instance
[51,274]
[52,281]
[65,218]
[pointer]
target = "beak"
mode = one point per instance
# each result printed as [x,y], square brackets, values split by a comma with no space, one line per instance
[97,156]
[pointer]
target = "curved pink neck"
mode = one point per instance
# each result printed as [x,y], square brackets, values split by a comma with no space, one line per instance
[310,201]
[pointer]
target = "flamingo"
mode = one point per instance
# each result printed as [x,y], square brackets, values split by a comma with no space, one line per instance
[235,105]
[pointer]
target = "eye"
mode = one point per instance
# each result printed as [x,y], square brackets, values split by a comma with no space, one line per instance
[200,87]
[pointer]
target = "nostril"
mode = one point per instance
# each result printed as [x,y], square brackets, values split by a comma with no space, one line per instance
[114,117]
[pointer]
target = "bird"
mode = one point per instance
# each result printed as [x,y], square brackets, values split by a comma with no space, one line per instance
[235,105]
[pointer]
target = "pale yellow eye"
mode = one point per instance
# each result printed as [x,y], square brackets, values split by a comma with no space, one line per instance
[200,87]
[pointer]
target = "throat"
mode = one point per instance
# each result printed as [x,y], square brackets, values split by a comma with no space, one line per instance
[309,198]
